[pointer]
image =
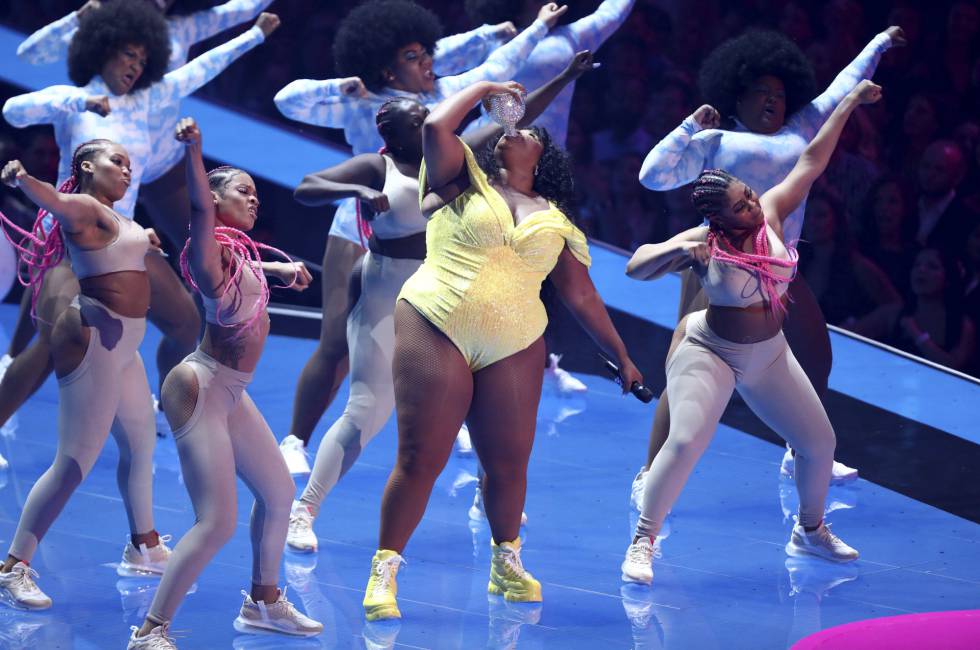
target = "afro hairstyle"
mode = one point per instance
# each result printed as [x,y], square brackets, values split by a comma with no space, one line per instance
[554,179]
[493,12]
[116,23]
[369,37]
[739,61]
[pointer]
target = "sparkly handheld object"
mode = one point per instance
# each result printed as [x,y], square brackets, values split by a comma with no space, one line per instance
[506,110]
[639,391]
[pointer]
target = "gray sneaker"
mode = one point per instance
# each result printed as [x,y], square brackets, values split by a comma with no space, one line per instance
[18,589]
[820,543]
[280,616]
[157,639]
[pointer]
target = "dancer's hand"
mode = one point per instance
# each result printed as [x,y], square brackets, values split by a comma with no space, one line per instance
[267,22]
[579,65]
[12,172]
[698,252]
[505,30]
[375,201]
[501,87]
[707,117]
[294,274]
[155,243]
[897,34]
[188,132]
[353,87]
[550,13]
[866,92]
[629,374]
[87,7]
[98,104]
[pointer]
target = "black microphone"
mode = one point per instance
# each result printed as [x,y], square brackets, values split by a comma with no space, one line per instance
[639,391]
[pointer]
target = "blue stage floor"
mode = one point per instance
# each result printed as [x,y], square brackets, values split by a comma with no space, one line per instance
[724,580]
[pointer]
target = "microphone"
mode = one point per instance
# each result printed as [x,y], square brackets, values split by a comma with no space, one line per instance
[639,391]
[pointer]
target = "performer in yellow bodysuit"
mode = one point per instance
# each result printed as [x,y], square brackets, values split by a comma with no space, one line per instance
[468,329]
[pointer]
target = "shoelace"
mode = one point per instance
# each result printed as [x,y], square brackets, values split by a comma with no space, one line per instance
[644,553]
[828,537]
[386,571]
[512,559]
[25,578]
[300,520]
[162,640]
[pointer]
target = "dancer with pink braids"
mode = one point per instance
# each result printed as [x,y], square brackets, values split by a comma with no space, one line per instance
[217,428]
[737,343]
[102,384]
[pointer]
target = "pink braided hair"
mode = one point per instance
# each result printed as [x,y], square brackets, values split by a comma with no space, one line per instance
[40,250]
[244,253]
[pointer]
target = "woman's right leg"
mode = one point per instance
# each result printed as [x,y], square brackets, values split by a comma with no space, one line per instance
[325,371]
[24,329]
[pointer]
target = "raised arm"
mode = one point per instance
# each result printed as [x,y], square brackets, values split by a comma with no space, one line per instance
[683,153]
[181,82]
[590,32]
[508,59]
[810,117]
[361,177]
[537,101]
[442,149]
[46,106]
[332,103]
[50,43]
[205,253]
[780,201]
[458,53]
[688,248]
[74,212]
[201,25]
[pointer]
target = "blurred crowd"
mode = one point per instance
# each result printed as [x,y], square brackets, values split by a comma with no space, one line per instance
[891,242]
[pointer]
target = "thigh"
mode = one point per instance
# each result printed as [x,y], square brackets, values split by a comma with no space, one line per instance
[339,259]
[134,417]
[699,385]
[504,410]
[70,341]
[172,308]
[433,385]
[59,288]
[207,463]
[257,457]
[806,333]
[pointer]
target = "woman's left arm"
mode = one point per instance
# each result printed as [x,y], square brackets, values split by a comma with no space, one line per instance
[578,293]
[201,25]
[955,358]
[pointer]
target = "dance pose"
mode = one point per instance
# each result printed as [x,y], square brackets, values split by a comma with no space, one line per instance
[753,82]
[217,428]
[388,184]
[745,268]
[384,49]
[468,331]
[118,58]
[102,384]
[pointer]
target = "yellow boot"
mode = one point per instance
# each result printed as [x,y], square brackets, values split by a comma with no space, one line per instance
[508,577]
[382,588]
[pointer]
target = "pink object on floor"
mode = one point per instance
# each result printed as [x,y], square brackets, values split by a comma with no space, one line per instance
[959,630]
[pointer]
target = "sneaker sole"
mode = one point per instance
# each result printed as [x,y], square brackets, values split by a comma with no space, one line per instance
[301,549]
[7,599]
[511,596]
[248,627]
[795,551]
[847,478]
[382,613]
[635,581]
[134,571]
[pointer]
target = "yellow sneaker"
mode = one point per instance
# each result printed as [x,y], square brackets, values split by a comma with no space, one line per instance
[382,588]
[508,577]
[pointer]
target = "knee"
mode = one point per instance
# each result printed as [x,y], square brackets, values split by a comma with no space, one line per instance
[685,450]
[505,472]
[219,527]
[818,445]
[418,464]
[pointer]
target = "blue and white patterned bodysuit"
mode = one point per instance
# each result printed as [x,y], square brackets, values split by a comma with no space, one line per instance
[760,161]
[128,122]
[50,44]
[322,103]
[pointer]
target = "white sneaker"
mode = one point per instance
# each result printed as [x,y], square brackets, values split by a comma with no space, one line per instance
[300,535]
[294,452]
[280,616]
[638,565]
[636,490]
[567,384]
[840,473]
[476,510]
[157,639]
[5,362]
[464,446]
[145,561]
[162,424]
[18,589]
[821,543]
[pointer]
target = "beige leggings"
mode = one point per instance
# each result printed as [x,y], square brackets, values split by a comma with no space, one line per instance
[219,432]
[701,375]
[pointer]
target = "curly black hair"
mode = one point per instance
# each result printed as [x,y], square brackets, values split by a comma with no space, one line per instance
[554,179]
[114,24]
[739,61]
[369,36]
[492,12]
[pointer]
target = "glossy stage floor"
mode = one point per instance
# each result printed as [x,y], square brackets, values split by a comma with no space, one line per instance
[723,581]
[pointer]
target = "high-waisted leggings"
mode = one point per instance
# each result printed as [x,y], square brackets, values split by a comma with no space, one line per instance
[219,432]
[108,391]
[371,341]
[701,375]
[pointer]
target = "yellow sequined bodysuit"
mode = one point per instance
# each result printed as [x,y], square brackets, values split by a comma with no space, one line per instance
[482,275]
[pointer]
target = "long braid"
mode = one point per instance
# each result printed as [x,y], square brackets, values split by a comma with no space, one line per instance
[244,253]
[42,249]
[708,196]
